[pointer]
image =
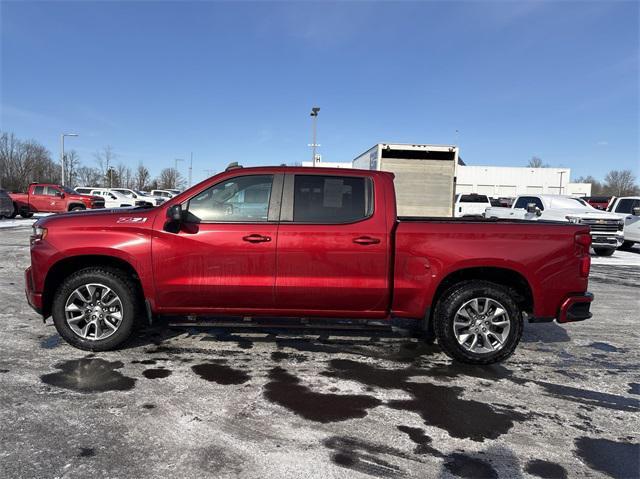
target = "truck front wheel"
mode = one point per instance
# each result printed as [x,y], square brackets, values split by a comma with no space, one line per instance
[77,208]
[95,309]
[478,322]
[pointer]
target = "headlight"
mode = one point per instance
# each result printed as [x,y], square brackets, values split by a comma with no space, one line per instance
[38,234]
[573,219]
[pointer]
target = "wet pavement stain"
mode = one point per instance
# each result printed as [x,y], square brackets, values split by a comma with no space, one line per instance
[148,406]
[365,457]
[89,375]
[546,469]
[439,406]
[461,465]
[617,459]
[156,373]
[144,361]
[285,389]
[423,441]
[634,388]
[51,342]
[609,348]
[87,452]
[220,373]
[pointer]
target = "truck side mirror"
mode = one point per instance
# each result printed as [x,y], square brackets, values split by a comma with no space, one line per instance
[636,211]
[175,213]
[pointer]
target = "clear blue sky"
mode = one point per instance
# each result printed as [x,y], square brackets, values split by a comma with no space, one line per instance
[236,81]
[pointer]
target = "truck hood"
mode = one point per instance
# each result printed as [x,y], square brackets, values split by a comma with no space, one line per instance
[588,214]
[100,217]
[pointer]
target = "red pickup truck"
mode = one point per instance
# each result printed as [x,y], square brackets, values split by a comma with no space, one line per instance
[306,242]
[50,198]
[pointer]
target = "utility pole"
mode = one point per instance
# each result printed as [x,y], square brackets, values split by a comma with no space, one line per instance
[176,160]
[313,145]
[561,174]
[62,152]
[190,169]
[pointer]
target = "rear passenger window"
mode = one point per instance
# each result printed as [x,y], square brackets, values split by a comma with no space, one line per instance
[38,190]
[331,199]
[523,201]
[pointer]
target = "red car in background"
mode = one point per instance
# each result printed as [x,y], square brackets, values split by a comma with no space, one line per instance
[598,202]
[51,198]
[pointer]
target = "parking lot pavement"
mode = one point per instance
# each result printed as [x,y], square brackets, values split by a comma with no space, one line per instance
[286,403]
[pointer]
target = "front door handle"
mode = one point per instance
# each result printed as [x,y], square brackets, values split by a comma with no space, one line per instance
[365,240]
[256,238]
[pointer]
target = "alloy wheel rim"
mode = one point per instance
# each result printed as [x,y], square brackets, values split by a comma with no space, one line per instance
[481,325]
[93,311]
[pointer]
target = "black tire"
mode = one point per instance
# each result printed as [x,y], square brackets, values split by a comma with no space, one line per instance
[77,208]
[121,284]
[14,213]
[604,251]
[453,299]
[26,214]
[626,245]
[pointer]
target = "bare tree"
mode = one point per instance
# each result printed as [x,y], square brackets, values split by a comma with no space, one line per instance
[170,178]
[71,165]
[536,162]
[88,176]
[142,177]
[105,159]
[22,162]
[620,183]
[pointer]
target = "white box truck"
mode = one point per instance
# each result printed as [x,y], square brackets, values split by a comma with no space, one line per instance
[425,175]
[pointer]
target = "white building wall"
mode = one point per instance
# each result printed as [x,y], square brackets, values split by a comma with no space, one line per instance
[499,181]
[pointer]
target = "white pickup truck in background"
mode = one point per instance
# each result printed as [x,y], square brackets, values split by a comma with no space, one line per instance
[606,228]
[627,208]
[470,204]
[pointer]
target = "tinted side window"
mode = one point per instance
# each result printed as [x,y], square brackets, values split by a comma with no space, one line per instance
[331,199]
[38,190]
[627,205]
[51,191]
[523,201]
[244,199]
[473,199]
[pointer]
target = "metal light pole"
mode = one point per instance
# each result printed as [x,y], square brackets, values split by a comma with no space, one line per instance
[62,152]
[561,174]
[313,145]
[190,169]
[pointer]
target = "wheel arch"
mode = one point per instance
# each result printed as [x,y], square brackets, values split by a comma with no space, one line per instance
[510,278]
[67,266]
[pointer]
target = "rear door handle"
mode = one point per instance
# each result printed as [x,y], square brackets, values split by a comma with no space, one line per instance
[256,238]
[365,240]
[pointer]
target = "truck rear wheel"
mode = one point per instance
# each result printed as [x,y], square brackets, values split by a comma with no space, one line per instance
[478,322]
[96,309]
[604,251]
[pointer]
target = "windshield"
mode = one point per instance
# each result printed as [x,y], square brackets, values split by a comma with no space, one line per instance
[68,190]
[142,193]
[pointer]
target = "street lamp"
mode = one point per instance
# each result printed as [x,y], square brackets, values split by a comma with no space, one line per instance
[313,145]
[62,152]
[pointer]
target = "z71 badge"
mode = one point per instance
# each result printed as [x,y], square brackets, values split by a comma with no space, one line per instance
[131,219]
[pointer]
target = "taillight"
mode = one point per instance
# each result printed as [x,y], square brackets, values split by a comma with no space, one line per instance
[583,242]
[583,239]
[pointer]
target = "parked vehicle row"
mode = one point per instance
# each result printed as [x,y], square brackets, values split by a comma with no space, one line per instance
[51,198]
[342,252]
[606,228]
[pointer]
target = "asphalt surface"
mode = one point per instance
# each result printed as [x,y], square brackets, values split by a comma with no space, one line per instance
[229,402]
